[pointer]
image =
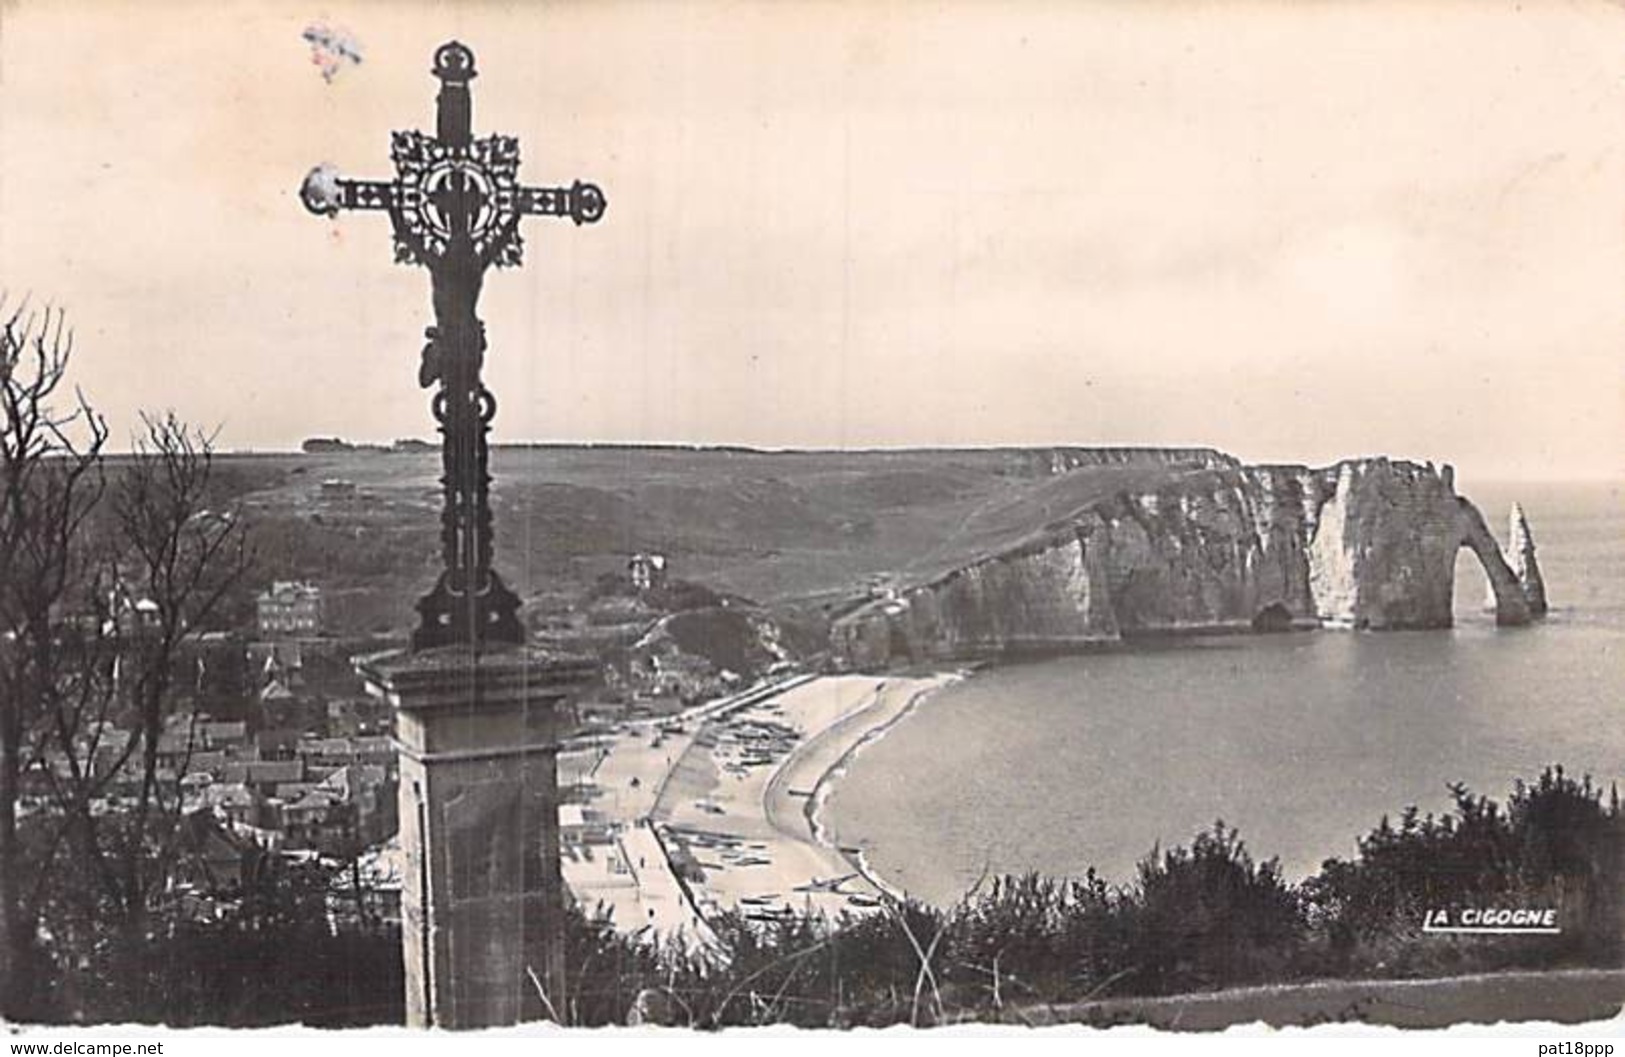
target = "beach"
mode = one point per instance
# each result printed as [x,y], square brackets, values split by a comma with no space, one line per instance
[717,809]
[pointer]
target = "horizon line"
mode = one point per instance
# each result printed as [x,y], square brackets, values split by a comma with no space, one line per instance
[362,447]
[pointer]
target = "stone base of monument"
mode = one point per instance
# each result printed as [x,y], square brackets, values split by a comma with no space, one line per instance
[483,897]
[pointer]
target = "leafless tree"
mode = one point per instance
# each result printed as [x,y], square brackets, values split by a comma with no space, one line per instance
[108,565]
[50,483]
[183,558]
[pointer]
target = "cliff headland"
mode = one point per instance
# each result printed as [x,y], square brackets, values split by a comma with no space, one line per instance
[1210,546]
[897,555]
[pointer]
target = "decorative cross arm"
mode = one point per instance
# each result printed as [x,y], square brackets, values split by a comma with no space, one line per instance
[326,193]
[581,202]
[452,189]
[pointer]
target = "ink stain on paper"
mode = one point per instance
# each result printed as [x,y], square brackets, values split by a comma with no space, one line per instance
[332,49]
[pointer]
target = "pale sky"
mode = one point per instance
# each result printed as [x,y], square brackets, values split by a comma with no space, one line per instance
[1296,232]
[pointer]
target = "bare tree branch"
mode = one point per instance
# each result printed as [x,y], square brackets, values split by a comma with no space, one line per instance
[107,570]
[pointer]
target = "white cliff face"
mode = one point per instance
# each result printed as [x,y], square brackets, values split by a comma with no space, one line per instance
[1367,543]
[1519,540]
[1383,553]
[1521,557]
[1334,558]
[1046,595]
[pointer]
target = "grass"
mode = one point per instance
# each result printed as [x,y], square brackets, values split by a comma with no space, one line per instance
[798,530]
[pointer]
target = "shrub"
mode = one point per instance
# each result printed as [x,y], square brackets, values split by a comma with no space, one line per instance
[1210,916]
[1555,845]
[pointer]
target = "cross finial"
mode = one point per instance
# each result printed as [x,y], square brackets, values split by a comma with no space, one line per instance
[454,65]
[454,61]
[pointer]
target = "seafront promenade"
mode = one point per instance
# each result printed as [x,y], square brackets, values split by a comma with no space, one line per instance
[715,809]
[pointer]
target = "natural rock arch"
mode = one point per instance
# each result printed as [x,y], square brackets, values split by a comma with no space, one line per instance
[1511,605]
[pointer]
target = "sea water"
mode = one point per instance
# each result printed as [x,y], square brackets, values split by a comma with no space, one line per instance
[1302,741]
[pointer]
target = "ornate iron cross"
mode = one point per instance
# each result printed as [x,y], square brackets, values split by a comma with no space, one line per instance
[455,205]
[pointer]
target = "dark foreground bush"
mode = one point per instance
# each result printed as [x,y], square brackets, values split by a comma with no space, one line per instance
[1194,918]
[1554,845]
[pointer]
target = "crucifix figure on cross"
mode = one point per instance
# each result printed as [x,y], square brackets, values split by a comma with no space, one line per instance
[455,206]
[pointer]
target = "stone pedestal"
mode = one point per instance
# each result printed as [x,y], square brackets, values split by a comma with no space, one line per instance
[483,897]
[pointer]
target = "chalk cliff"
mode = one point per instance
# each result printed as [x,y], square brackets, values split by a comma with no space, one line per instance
[1367,543]
[1521,556]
